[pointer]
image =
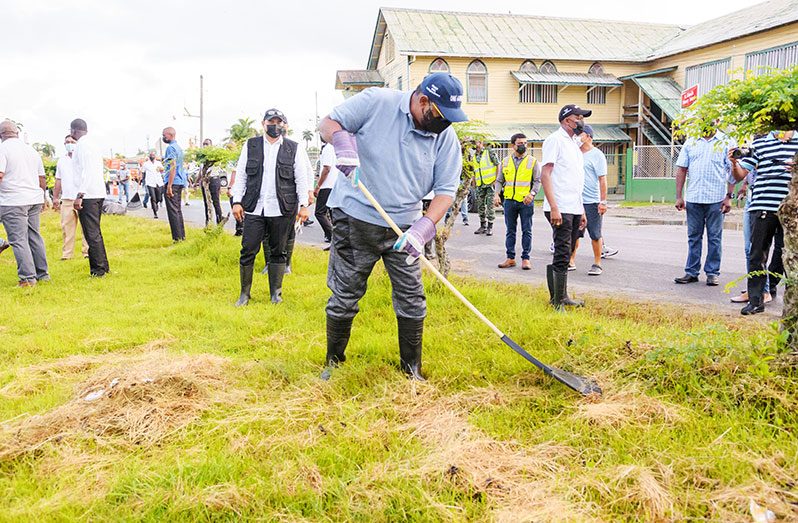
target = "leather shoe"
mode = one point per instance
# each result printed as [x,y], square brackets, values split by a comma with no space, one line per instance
[686,279]
[712,281]
[752,308]
[526,265]
[506,264]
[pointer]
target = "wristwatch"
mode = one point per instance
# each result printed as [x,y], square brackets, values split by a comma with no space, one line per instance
[603,202]
[729,195]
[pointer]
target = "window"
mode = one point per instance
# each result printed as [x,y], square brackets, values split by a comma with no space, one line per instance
[439,65]
[529,67]
[547,93]
[781,57]
[610,150]
[399,85]
[707,75]
[477,76]
[596,94]
[389,49]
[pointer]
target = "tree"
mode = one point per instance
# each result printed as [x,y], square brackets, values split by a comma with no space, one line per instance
[742,109]
[241,131]
[208,158]
[45,149]
[468,133]
[307,136]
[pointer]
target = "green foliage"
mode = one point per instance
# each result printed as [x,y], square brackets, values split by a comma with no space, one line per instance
[241,131]
[47,150]
[744,108]
[212,155]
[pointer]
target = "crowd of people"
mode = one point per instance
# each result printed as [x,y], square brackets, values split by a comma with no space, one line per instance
[272,189]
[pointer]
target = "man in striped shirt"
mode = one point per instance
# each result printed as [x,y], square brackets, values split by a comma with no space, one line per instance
[704,163]
[771,156]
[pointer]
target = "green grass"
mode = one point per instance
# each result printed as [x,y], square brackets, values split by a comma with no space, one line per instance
[699,412]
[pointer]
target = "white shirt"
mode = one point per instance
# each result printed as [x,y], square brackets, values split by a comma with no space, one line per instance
[64,172]
[267,202]
[21,166]
[328,160]
[87,163]
[152,171]
[568,175]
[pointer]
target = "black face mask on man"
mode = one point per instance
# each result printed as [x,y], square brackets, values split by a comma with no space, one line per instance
[432,124]
[152,158]
[579,128]
[520,148]
[166,140]
[273,130]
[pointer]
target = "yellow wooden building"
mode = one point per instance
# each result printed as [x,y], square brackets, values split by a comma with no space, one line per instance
[519,70]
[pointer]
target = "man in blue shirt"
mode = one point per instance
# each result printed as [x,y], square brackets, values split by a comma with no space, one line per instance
[594,198]
[404,148]
[175,180]
[704,163]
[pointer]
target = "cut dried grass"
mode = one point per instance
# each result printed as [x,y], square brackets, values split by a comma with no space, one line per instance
[625,407]
[146,397]
[518,481]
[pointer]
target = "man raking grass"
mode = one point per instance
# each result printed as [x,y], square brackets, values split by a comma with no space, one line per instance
[406,149]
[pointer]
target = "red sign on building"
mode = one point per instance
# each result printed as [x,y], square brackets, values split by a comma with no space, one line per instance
[689,96]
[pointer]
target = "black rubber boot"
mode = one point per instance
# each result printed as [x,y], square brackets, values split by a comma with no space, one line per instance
[561,290]
[550,283]
[338,331]
[245,273]
[276,272]
[411,333]
[489,230]
[482,229]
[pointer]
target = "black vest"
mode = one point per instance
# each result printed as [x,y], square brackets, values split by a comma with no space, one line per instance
[285,183]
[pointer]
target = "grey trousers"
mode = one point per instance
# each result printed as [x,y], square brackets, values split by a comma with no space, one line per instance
[356,248]
[22,227]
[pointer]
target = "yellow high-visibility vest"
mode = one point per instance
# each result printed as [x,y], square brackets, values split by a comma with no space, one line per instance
[517,184]
[484,170]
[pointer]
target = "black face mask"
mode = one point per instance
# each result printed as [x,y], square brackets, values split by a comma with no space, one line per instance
[152,158]
[273,130]
[580,127]
[520,149]
[166,140]
[434,125]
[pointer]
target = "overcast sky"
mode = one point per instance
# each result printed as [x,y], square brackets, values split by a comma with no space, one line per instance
[130,68]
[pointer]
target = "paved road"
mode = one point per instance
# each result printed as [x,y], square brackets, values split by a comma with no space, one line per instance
[651,255]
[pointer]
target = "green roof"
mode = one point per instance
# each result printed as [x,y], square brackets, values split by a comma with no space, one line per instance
[666,93]
[566,78]
[536,132]
[445,33]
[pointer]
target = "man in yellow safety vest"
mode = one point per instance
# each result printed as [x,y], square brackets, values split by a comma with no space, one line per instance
[520,177]
[485,167]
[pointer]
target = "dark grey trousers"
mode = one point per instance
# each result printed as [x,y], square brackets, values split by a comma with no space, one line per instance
[356,248]
[22,227]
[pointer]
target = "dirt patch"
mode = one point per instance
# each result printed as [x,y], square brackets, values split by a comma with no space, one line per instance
[137,400]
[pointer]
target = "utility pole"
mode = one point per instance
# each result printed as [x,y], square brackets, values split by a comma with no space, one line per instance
[202,108]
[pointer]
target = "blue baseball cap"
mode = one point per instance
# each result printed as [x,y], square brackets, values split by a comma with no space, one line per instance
[446,92]
[588,131]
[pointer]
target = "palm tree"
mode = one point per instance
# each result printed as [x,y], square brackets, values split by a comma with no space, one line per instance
[307,135]
[241,131]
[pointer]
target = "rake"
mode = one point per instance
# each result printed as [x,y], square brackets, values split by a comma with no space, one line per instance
[584,386]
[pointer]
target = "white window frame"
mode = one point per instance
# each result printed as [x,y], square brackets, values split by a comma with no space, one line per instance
[780,57]
[707,75]
[471,77]
[434,69]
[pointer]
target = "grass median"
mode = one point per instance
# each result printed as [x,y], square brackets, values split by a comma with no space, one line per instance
[147,396]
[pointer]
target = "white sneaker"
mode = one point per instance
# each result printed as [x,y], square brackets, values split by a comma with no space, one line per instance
[607,252]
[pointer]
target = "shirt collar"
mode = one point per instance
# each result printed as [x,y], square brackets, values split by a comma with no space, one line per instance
[563,132]
[774,136]
[279,140]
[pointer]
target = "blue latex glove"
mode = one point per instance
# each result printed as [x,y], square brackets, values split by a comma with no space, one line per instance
[413,240]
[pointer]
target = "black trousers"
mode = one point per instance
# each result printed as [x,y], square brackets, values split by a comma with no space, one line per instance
[767,227]
[564,238]
[256,228]
[156,197]
[323,212]
[174,210]
[89,216]
[215,187]
[239,224]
